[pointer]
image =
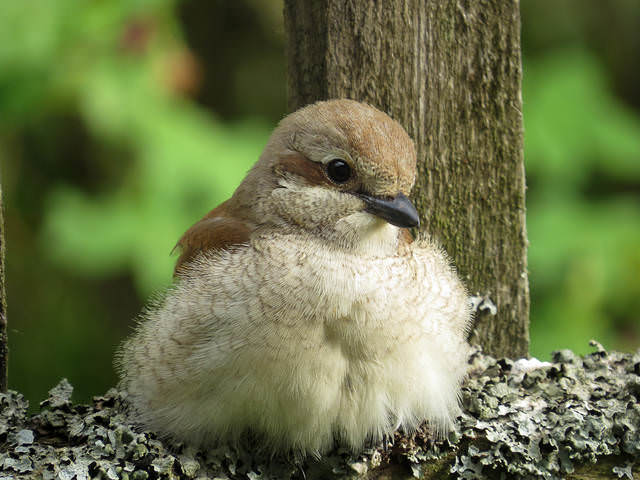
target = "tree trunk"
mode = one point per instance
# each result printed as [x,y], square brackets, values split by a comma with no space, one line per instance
[4,342]
[449,71]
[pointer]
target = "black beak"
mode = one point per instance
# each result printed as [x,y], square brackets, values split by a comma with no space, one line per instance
[398,211]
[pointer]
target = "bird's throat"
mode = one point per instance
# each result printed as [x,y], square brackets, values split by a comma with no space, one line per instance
[369,235]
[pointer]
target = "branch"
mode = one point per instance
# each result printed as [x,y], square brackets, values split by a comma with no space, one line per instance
[523,419]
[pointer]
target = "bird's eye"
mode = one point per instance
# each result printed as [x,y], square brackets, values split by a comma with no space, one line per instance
[338,171]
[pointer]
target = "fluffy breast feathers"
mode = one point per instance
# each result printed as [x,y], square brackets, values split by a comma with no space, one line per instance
[302,311]
[351,350]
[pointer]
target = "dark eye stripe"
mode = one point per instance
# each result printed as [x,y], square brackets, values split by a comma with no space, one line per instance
[336,172]
[312,172]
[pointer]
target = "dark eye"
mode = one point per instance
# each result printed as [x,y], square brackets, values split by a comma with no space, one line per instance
[338,171]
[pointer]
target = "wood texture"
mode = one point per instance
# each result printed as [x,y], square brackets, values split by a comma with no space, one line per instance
[449,71]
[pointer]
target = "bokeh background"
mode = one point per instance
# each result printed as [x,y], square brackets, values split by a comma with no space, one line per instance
[121,123]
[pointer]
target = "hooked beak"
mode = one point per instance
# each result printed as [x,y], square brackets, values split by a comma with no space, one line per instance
[398,211]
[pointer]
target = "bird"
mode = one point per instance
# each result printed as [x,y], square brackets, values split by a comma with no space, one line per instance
[303,313]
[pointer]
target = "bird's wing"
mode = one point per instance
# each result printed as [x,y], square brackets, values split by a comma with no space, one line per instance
[216,231]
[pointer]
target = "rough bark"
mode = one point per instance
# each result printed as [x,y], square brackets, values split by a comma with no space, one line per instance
[4,343]
[449,71]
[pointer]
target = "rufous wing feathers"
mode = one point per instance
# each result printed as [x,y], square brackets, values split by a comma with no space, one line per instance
[216,231]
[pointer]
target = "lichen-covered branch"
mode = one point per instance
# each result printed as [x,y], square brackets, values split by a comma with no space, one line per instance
[573,418]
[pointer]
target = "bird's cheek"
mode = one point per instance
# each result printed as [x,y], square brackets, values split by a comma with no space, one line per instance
[309,207]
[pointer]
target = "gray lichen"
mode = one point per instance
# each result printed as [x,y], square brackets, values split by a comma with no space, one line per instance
[523,419]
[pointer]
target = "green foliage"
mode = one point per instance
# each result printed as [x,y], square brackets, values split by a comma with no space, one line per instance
[115,67]
[582,154]
[182,161]
[184,165]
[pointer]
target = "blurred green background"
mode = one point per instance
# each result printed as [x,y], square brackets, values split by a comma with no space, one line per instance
[121,123]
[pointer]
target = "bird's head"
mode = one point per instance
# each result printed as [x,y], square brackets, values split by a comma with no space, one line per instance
[340,169]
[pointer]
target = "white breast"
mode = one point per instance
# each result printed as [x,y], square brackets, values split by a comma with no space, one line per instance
[304,344]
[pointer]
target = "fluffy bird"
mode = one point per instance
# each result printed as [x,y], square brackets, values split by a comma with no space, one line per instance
[302,311]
